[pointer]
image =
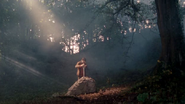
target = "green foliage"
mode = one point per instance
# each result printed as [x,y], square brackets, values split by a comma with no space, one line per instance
[161,88]
[142,97]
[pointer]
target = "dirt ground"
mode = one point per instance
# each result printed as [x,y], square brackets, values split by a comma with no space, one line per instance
[114,95]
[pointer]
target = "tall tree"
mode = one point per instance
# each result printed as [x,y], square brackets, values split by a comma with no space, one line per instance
[169,24]
[171,33]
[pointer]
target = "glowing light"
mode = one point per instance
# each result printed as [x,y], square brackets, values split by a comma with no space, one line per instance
[121,31]
[101,38]
[76,38]
[50,24]
[78,35]
[85,32]
[134,30]
[138,1]
[87,41]
[125,33]
[40,13]
[130,29]
[42,1]
[147,21]
[183,4]
[73,45]
[52,39]
[94,39]
[146,26]
[27,68]
[107,38]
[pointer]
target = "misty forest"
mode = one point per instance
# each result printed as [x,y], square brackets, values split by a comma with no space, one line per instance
[134,50]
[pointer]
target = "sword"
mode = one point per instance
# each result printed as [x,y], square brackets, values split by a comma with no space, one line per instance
[84,71]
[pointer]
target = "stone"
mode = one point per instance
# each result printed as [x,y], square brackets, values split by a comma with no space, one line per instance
[83,85]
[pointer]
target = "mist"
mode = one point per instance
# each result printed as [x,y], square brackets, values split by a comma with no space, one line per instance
[41,44]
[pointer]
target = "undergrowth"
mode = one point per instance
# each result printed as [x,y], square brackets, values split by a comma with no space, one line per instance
[164,87]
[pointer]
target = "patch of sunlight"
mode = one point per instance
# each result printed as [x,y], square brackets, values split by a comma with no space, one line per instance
[147,21]
[44,18]
[52,39]
[183,4]
[72,45]
[101,38]
[121,31]
[50,24]
[107,38]
[134,30]
[130,29]
[85,32]
[138,1]
[87,41]
[125,32]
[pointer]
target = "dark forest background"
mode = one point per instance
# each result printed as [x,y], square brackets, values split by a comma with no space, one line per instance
[37,39]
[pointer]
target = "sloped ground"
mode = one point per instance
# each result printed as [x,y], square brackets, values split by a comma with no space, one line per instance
[110,95]
[114,95]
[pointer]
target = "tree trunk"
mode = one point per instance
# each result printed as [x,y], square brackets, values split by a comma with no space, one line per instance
[171,33]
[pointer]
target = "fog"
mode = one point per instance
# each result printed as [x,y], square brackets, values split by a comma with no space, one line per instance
[37,58]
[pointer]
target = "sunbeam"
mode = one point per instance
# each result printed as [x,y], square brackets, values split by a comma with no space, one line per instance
[31,70]
[22,66]
[51,26]
[47,23]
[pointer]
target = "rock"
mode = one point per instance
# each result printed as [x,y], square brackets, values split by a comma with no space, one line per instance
[82,86]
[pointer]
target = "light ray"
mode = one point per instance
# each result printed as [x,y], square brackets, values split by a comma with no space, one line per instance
[50,24]
[31,70]
[22,66]
[44,18]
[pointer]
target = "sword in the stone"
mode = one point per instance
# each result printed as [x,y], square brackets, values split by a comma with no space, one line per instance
[84,71]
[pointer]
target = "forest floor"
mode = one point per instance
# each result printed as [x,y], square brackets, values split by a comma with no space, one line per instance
[106,93]
[112,95]
[163,88]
